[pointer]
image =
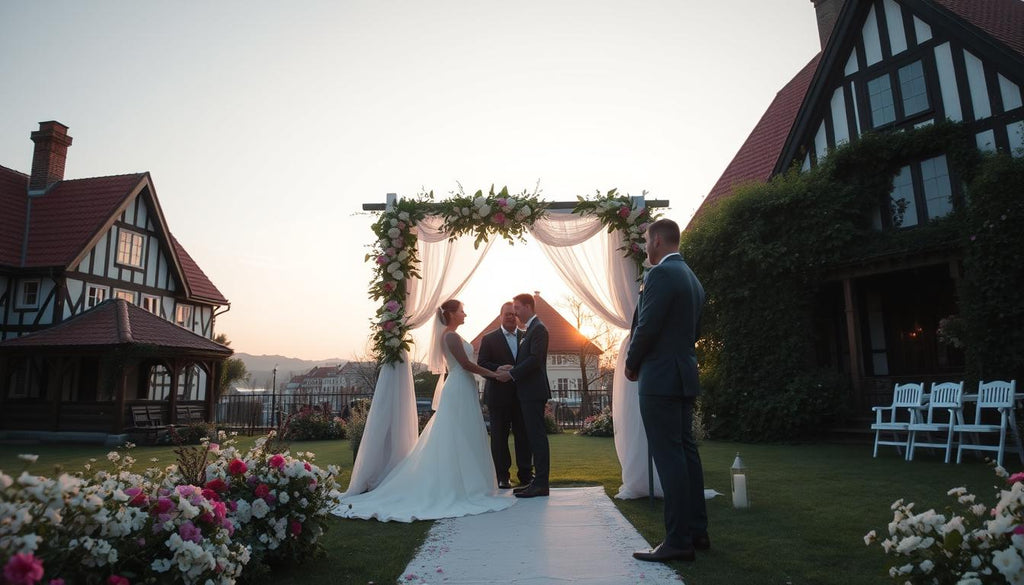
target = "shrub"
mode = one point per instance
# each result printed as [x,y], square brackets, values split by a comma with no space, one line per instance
[357,423]
[976,545]
[550,424]
[598,425]
[313,424]
[159,526]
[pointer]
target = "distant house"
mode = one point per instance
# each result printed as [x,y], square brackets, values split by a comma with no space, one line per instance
[350,378]
[565,346]
[101,307]
[885,66]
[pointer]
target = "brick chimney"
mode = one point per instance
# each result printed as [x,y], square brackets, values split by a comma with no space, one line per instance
[828,14]
[52,142]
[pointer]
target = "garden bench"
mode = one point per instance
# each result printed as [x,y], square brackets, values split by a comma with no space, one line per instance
[189,414]
[149,420]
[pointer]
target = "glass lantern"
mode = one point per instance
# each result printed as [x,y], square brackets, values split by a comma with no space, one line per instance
[740,496]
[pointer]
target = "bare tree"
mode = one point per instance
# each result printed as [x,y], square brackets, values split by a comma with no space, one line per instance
[596,332]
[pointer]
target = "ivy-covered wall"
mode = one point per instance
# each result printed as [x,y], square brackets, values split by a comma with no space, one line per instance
[763,254]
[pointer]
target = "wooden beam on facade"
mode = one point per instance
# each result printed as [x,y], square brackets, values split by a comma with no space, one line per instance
[853,337]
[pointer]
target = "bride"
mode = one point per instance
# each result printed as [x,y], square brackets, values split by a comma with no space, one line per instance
[449,472]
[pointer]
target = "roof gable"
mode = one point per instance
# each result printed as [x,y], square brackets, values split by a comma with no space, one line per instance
[562,336]
[13,189]
[117,322]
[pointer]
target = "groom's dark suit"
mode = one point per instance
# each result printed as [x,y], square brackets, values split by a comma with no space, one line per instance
[531,377]
[505,413]
[661,351]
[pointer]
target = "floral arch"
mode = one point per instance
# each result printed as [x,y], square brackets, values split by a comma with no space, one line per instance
[422,256]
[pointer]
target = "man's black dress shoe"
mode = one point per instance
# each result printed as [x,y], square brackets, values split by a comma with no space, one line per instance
[664,553]
[533,491]
[521,488]
[702,542]
[504,485]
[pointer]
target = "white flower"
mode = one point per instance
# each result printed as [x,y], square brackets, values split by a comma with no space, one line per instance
[978,509]
[484,210]
[966,499]
[870,537]
[283,498]
[403,215]
[28,457]
[5,480]
[260,508]
[113,456]
[465,212]
[927,566]
[397,275]
[161,565]
[393,222]
[955,524]
[908,544]
[479,201]
[526,210]
[957,491]
[1007,562]
[394,232]
[969,579]
[403,255]
[395,267]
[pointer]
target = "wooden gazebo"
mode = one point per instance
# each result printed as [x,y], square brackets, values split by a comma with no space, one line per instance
[87,373]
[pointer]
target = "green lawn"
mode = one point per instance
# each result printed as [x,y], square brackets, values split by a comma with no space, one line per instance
[811,506]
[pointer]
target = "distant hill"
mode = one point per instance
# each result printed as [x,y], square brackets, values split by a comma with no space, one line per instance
[262,366]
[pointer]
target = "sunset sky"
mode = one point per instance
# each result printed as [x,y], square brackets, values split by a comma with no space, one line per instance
[266,125]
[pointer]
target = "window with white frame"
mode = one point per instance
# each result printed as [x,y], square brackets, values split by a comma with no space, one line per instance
[129,248]
[880,97]
[562,384]
[913,90]
[95,295]
[903,202]
[127,295]
[183,316]
[151,304]
[29,297]
[938,190]
[920,192]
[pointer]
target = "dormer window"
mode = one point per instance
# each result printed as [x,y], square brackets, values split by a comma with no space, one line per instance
[129,248]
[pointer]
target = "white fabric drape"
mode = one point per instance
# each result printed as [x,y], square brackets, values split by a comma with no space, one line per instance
[596,271]
[391,428]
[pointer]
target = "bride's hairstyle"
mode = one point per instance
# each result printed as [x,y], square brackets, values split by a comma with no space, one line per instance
[446,309]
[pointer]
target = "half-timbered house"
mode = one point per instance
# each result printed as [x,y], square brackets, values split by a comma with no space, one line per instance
[66,248]
[888,65]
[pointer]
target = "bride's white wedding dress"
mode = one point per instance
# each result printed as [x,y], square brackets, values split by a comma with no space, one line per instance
[449,473]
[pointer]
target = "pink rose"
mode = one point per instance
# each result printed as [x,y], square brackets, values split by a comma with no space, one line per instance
[502,202]
[393,306]
[390,251]
[296,527]
[217,485]
[237,467]
[189,531]
[307,466]
[23,569]
[623,212]
[401,225]
[277,461]
[261,490]
[162,506]
[118,580]
[382,260]
[1019,476]
[389,286]
[499,218]
[137,497]
[210,495]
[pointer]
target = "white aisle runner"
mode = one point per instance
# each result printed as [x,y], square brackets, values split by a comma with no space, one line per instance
[576,535]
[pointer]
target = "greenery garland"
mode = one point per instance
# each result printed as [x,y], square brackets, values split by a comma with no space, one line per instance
[395,258]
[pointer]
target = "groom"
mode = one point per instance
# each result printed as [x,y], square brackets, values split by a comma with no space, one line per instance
[530,374]
[499,348]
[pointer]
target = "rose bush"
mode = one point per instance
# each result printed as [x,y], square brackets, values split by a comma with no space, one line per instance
[120,526]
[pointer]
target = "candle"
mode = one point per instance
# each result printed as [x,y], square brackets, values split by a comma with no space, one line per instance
[739,491]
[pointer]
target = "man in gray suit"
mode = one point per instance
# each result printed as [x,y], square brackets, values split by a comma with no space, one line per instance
[661,355]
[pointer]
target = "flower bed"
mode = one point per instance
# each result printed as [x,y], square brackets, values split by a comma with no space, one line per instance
[976,545]
[598,425]
[120,527]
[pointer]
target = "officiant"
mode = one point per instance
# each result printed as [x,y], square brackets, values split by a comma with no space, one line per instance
[498,348]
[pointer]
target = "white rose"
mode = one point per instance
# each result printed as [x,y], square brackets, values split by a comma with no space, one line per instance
[484,210]
[395,267]
[465,211]
[479,201]
[394,221]
[526,210]
[283,498]
[394,232]
[403,215]
[259,508]
[403,255]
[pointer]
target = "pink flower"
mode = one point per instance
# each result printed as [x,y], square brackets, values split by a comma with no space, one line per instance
[502,202]
[1018,529]
[138,498]
[162,506]
[307,466]
[390,251]
[296,527]
[210,495]
[261,490]
[237,467]
[118,580]
[189,531]
[623,212]
[393,306]
[23,569]
[1019,476]
[277,461]
[499,218]
[401,225]
[56,582]
[217,485]
[389,286]
[382,260]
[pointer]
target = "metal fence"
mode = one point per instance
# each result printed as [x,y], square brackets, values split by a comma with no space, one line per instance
[258,412]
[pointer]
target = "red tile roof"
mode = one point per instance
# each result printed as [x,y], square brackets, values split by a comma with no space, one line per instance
[1003,20]
[198,283]
[65,219]
[562,336]
[756,159]
[117,322]
[12,215]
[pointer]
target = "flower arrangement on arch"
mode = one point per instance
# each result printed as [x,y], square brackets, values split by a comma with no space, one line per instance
[499,213]
[620,212]
[976,545]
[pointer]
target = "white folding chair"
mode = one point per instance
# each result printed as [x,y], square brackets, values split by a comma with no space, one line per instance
[897,417]
[945,409]
[996,396]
